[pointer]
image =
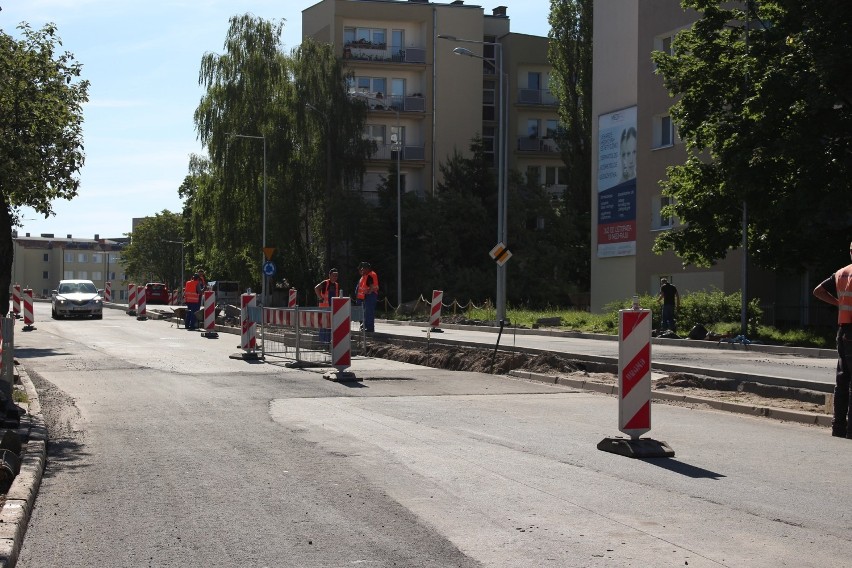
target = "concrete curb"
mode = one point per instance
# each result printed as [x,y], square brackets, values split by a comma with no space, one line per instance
[15,514]
[733,407]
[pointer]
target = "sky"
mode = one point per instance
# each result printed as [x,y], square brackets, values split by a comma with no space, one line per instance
[142,60]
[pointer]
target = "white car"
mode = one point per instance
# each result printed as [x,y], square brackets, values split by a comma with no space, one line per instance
[76,298]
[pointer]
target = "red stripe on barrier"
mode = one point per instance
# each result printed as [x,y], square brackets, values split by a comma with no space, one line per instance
[640,420]
[636,370]
[631,320]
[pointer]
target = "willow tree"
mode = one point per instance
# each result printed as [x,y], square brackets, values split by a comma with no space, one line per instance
[152,254]
[41,136]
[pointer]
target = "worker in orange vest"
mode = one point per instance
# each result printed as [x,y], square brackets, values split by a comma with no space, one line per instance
[192,296]
[368,295]
[327,289]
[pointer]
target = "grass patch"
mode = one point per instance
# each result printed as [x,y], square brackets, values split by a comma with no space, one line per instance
[20,395]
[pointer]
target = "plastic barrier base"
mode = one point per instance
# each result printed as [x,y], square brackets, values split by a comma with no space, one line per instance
[342,377]
[636,448]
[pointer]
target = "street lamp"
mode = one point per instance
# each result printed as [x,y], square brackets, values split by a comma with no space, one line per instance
[182,257]
[263,249]
[502,205]
[397,141]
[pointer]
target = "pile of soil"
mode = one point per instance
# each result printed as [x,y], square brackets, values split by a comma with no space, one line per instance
[502,362]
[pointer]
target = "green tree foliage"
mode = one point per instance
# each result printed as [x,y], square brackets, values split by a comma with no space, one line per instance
[256,99]
[570,55]
[41,138]
[763,105]
[149,257]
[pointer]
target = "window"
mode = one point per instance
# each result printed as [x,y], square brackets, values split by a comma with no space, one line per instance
[488,136]
[659,220]
[488,101]
[375,132]
[663,131]
[68,275]
[398,39]
[397,133]
[46,258]
[82,275]
[69,257]
[533,125]
[552,128]
[44,275]
[534,81]
[534,175]
[370,37]
[82,257]
[96,257]
[97,275]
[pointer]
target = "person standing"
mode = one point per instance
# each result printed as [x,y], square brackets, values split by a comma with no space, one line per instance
[837,291]
[327,289]
[368,295]
[671,304]
[192,296]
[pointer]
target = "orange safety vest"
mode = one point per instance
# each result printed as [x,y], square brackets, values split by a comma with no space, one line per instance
[190,292]
[843,282]
[324,295]
[364,288]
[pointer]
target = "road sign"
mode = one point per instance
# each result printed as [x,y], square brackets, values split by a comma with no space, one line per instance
[268,252]
[500,253]
[269,268]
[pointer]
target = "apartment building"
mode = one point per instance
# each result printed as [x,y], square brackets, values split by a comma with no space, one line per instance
[41,262]
[626,214]
[426,102]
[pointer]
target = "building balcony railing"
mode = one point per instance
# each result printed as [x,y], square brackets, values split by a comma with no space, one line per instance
[409,153]
[536,97]
[379,101]
[381,52]
[545,145]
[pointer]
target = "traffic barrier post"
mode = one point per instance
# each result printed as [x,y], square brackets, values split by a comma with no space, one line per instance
[16,300]
[248,341]
[209,314]
[341,329]
[141,303]
[131,299]
[29,320]
[107,291]
[173,298]
[292,301]
[435,313]
[634,388]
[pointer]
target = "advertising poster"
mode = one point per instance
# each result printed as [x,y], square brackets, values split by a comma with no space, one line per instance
[617,183]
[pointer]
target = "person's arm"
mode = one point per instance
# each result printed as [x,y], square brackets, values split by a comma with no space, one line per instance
[317,289]
[824,290]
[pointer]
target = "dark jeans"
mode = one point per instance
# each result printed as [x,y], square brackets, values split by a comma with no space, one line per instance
[189,320]
[842,411]
[370,301]
[668,319]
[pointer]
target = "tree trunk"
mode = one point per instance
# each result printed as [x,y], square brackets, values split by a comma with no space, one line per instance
[6,256]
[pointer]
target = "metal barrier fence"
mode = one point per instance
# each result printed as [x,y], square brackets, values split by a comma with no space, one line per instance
[7,354]
[304,334]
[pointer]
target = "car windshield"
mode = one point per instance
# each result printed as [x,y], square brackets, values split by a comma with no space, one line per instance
[74,287]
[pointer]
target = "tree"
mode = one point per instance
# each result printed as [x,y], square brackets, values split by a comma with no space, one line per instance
[41,136]
[149,257]
[570,53]
[763,105]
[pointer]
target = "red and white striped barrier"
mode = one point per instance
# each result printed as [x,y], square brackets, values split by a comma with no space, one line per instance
[315,319]
[131,298]
[634,372]
[141,303]
[107,291]
[278,316]
[341,323]
[173,298]
[292,302]
[248,342]
[209,313]
[437,303]
[16,300]
[28,308]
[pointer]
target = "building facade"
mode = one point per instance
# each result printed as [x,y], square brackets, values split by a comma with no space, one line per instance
[425,102]
[41,262]
[626,208]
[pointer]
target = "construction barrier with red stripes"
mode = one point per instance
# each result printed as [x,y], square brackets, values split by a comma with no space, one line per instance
[173,298]
[634,372]
[16,300]
[107,291]
[141,303]
[248,342]
[131,299]
[28,309]
[435,312]
[292,301]
[209,307]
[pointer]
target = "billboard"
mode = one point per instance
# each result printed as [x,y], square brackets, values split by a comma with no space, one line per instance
[617,183]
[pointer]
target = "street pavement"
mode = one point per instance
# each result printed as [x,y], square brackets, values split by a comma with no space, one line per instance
[252,464]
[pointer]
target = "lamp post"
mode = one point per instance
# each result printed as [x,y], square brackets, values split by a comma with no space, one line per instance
[502,204]
[398,142]
[263,244]
[182,257]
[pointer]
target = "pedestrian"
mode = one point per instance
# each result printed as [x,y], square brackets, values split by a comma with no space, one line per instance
[192,295]
[202,277]
[670,298]
[837,291]
[368,295]
[327,289]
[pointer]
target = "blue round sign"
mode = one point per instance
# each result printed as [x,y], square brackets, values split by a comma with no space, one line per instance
[269,268]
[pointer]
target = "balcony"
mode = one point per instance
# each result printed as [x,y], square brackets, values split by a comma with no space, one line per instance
[536,97]
[537,145]
[362,50]
[378,101]
[409,153]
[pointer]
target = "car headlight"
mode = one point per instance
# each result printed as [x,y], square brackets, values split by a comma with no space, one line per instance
[61,301]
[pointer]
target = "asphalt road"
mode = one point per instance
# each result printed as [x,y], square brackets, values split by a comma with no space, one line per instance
[166,452]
